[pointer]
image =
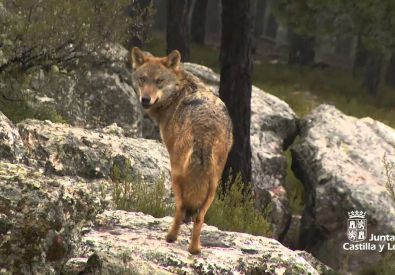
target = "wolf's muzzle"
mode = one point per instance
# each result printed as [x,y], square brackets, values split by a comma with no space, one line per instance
[146,102]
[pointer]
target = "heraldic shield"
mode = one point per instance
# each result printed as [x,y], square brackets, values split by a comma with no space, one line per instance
[357,228]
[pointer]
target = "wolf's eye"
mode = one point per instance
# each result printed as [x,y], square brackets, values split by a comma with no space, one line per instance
[158,81]
[142,79]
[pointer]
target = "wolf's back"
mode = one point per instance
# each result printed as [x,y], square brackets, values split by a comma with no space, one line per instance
[204,117]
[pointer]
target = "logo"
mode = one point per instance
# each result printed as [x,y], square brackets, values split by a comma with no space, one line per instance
[357,226]
[357,234]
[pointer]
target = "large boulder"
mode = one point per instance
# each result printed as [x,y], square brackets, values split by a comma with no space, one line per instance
[41,218]
[133,243]
[339,159]
[273,128]
[98,93]
[71,151]
[11,145]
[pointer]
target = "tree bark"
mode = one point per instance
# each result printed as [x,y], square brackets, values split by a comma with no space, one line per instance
[259,17]
[390,74]
[235,84]
[372,72]
[198,22]
[301,49]
[271,28]
[177,27]
[214,16]
[360,59]
[140,31]
[160,15]
[368,66]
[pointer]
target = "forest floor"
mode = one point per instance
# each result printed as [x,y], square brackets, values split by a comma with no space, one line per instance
[303,88]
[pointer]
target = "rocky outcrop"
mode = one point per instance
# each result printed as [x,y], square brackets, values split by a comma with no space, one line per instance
[41,218]
[11,145]
[70,151]
[133,243]
[273,128]
[339,159]
[52,219]
[95,95]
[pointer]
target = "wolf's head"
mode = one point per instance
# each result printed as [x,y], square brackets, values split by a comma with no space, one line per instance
[154,78]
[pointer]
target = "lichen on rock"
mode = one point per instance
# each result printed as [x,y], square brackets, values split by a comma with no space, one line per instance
[41,218]
[134,242]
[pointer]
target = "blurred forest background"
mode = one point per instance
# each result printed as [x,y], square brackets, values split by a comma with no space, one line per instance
[305,52]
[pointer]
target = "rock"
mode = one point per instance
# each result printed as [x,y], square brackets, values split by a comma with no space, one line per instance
[97,94]
[41,218]
[11,145]
[273,128]
[133,243]
[339,159]
[70,151]
[291,239]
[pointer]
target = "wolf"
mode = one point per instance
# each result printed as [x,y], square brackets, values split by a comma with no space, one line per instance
[196,129]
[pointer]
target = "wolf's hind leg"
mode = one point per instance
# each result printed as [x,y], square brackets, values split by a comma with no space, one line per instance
[194,246]
[175,228]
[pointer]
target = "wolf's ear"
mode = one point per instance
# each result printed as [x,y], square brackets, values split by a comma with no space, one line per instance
[173,60]
[137,57]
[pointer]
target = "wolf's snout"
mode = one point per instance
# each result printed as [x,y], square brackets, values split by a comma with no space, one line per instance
[145,101]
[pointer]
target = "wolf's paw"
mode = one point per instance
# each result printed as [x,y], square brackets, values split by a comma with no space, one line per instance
[171,238]
[194,250]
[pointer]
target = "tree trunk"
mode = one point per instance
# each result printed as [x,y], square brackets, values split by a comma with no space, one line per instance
[271,28]
[177,27]
[390,74]
[301,49]
[360,59]
[198,22]
[235,84]
[139,31]
[372,73]
[214,16]
[259,17]
[160,15]
[367,66]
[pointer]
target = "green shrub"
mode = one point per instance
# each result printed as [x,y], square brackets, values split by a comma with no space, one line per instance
[132,193]
[18,105]
[19,110]
[294,187]
[42,33]
[234,211]
[390,174]
[37,34]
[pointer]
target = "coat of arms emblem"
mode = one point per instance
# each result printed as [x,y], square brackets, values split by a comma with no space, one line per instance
[357,226]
